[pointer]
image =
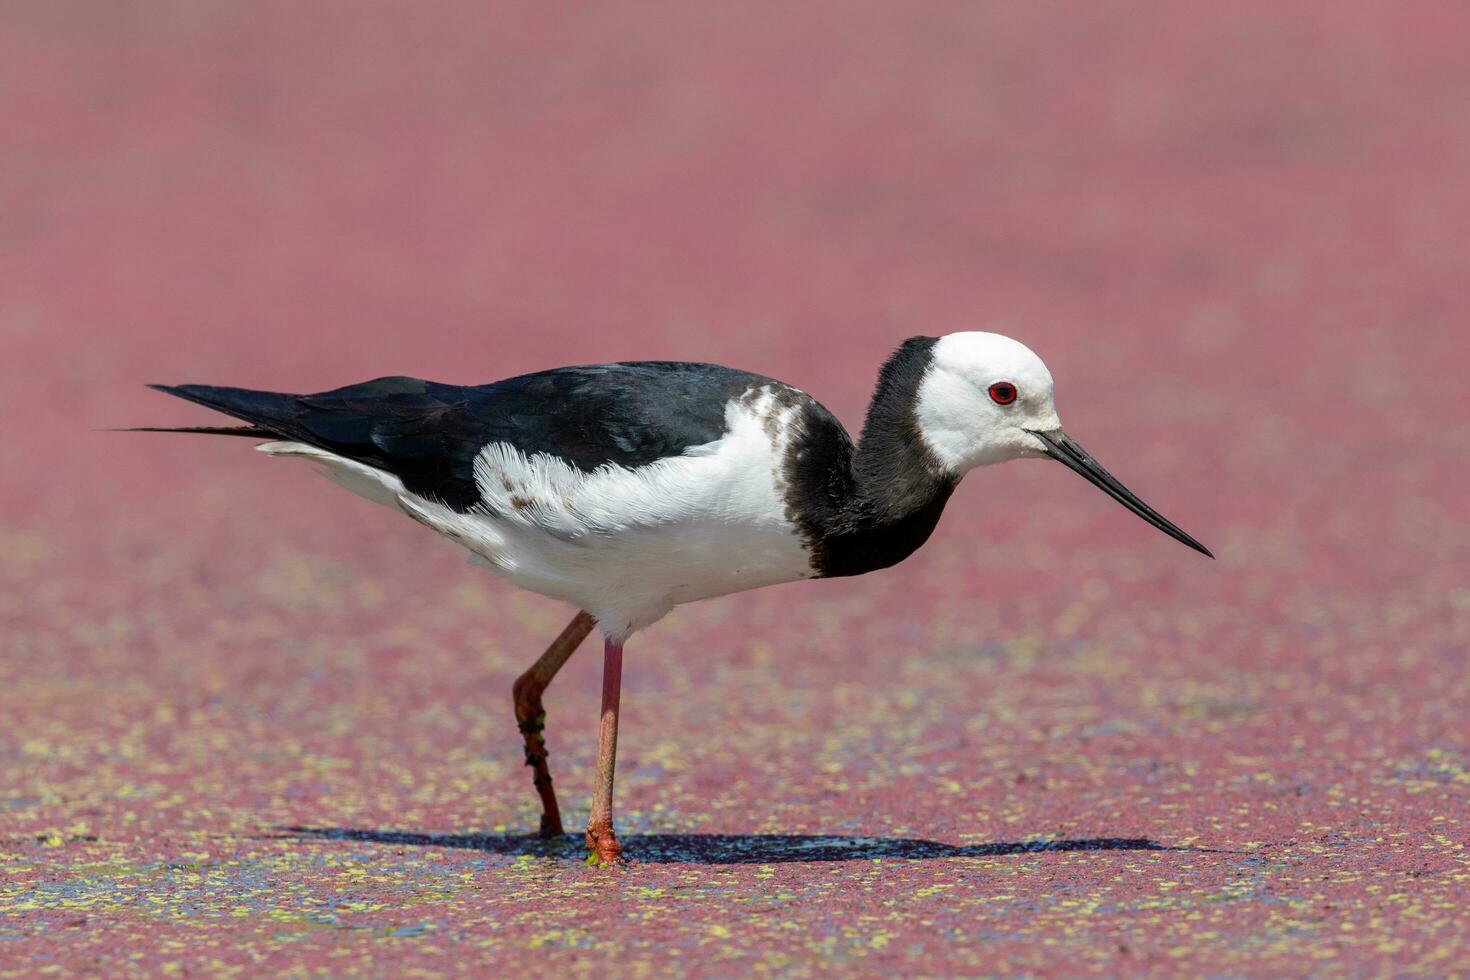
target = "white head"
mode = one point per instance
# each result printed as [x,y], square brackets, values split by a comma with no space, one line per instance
[987,399]
[982,399]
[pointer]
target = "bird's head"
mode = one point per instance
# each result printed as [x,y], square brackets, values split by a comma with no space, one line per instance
[986,398]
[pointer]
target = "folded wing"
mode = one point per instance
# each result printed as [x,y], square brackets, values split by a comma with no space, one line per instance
[428,434]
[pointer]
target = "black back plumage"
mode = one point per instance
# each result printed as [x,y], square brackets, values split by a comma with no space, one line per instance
[857,507]
[428,434]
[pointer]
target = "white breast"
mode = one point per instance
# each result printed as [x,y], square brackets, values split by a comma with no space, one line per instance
[627,545]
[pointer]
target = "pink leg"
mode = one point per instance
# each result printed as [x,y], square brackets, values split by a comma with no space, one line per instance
[602,842]
[531,716]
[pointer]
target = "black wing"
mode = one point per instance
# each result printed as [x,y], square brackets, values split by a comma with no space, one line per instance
[428,434]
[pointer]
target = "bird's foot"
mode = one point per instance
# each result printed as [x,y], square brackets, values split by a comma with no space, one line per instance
[603,849]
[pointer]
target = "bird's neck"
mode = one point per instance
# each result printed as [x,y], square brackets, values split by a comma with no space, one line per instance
[884,498]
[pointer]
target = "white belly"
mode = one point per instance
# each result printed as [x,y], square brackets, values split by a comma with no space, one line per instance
[627,545]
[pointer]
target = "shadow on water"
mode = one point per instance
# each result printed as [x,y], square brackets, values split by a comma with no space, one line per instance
[728,848]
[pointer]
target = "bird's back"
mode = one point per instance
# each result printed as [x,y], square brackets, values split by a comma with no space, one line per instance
[429,434]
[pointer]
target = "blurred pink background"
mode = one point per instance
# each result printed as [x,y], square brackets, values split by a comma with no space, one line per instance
[1236,232]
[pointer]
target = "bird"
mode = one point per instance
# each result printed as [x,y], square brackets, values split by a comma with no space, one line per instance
[626,489]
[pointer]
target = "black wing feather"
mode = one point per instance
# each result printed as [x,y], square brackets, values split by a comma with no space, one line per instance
[428,434]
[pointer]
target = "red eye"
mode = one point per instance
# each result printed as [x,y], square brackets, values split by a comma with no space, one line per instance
[1002,392]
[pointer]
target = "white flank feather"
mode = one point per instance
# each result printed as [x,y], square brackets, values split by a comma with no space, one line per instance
[627,545]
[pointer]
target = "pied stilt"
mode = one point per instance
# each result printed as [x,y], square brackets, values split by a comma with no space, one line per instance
[628,489]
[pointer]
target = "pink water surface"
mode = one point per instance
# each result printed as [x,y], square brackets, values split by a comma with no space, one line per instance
[1053,741]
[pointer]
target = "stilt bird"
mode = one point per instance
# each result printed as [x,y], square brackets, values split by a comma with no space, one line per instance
[628,489]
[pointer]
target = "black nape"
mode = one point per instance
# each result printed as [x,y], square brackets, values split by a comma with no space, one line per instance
[869,506]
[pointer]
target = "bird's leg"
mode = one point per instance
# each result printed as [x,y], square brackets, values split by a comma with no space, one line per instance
[602,842]
[531,716]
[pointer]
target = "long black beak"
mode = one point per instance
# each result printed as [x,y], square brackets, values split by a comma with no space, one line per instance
[1061,447]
